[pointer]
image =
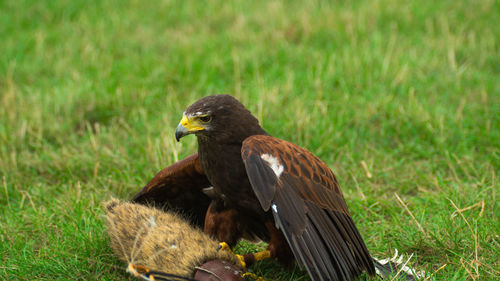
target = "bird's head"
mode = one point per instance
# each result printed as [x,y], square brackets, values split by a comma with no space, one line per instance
[220,117]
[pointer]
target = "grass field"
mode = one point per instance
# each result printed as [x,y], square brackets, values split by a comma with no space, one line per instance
[400,98]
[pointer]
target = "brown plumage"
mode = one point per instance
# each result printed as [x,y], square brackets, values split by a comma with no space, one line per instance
[179,187]
[265,188]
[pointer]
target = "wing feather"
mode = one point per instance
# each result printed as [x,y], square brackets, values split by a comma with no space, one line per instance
[263,177]
[308,207]
[179,187]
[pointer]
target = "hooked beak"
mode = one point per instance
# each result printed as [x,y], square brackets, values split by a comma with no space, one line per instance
[180,131]
[187,126]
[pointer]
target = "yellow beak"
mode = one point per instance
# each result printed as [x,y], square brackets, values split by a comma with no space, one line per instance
[187,126]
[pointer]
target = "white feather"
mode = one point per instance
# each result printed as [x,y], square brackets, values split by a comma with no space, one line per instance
[275,208]
[398,260]
[273,163]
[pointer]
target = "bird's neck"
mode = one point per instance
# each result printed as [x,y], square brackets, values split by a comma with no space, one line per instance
[222,151]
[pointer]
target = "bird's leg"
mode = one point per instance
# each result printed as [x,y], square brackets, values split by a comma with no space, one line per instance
[247,259]
[243,261]
[278,247]
[252,258]
[224,246]
[223,224]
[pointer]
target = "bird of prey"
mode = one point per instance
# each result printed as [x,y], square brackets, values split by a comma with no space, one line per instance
[244,183]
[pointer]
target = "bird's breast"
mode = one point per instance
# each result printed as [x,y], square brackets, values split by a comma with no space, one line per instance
[226,172]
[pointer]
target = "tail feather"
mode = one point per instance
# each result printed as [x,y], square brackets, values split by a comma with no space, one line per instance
[397,269]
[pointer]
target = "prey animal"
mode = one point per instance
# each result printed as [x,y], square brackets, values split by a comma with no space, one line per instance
[244,183]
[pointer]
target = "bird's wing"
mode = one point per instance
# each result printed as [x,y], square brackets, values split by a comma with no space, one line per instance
[180,187]
[308,207]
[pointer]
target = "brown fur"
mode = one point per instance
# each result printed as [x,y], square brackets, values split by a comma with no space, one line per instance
[158,240]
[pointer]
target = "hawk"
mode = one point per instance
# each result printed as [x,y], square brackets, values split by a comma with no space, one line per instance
[244,183]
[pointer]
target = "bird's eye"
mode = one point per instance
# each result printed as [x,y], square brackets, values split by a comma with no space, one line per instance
[205,119]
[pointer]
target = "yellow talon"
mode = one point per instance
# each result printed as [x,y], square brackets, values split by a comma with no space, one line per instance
[262,255]
[242,260]
[224,246]
[253,276]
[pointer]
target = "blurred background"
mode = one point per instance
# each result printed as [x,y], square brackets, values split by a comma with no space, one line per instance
[400,98]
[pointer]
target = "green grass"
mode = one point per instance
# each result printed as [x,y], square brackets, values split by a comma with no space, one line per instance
[91,93]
